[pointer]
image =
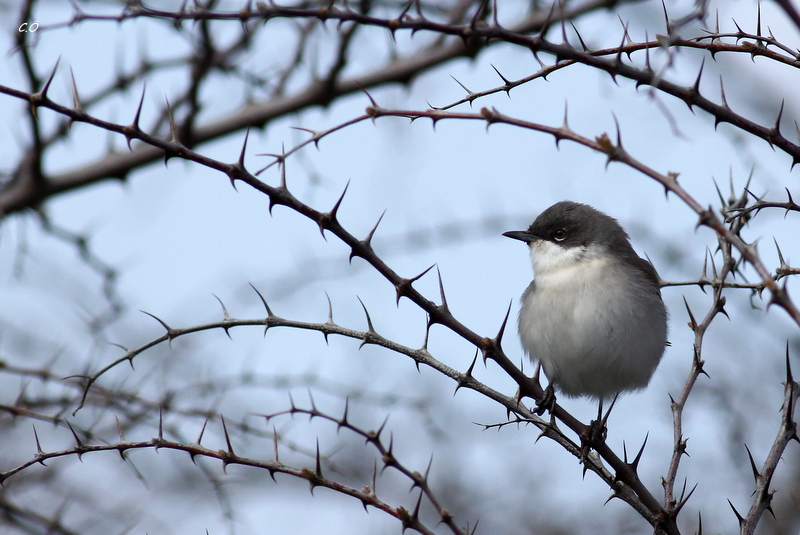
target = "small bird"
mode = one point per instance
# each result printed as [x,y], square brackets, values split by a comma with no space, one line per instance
[593,317]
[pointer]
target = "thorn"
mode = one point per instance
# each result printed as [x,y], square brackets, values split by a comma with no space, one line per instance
[723,101]
[498,339]
[635,464]
[169,330]
[275,440]
[318,466]
[666,19]
[405,284]
[202,432]
[426,338]
[78,442]
[43,93]
[784,266]
[119,429]
[76,100]
[626,39]
[506,81]
[542,65]
[226,317]
[692,321]
[443,306]
[330,316]
[776,130]
[160,424]
[370,328]
[367,242]
[415,514]
[619,134]
[758,20]
[266,307]
[173,130]
[39,450]
[242,153]
[335,209]
[696,87]
[683,501]
[343,422]
[380,429]
[546,26]
[226,461]
[134,127]
[738,516]
[752,464]
[580,39]
[467,374]
[719,192]
[394,24]
[465,88]
[371,100]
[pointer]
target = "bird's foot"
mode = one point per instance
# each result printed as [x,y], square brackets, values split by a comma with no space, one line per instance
[594,434]
[548,401]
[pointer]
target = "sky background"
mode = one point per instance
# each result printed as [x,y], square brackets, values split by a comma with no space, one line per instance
[180,235]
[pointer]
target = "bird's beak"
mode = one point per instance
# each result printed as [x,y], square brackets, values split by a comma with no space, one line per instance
[521,235]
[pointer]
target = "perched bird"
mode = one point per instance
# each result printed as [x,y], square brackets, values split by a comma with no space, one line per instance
[593,316]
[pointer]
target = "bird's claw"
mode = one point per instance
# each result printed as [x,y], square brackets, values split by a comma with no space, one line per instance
[548,401]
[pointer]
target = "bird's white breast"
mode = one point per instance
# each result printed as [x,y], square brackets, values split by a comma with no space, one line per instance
[586,322]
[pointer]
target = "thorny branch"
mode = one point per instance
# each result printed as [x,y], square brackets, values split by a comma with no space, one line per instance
[644,502]
[315,477]
[26,192]
[30,186]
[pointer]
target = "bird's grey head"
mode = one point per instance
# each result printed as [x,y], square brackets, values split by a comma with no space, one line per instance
[569,232]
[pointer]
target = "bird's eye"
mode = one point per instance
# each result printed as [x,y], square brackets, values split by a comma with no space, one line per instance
[560,234]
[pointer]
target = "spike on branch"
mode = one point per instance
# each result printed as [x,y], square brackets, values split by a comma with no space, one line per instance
[580,39]
[682,502]
[444,307]
[227,460]
[738,516]
[463,379]
[160,424]
[546,25]
[403,288]
[343,421]
[76,99]
[723,102]
[42,95]
[370,328]
[318,465]
[78,444]
[695,91]
[499,338]
[753,466]
[667,22]
[775,132]
[626,40]
[329,218]
[506,82]
[266,307]
[239,167]
[39,451]
[635,464]
[367,242]
[134,126]
[226,318]
[692,321]
[170,332]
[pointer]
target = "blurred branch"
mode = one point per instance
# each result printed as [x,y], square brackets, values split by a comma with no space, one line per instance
[367,494]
